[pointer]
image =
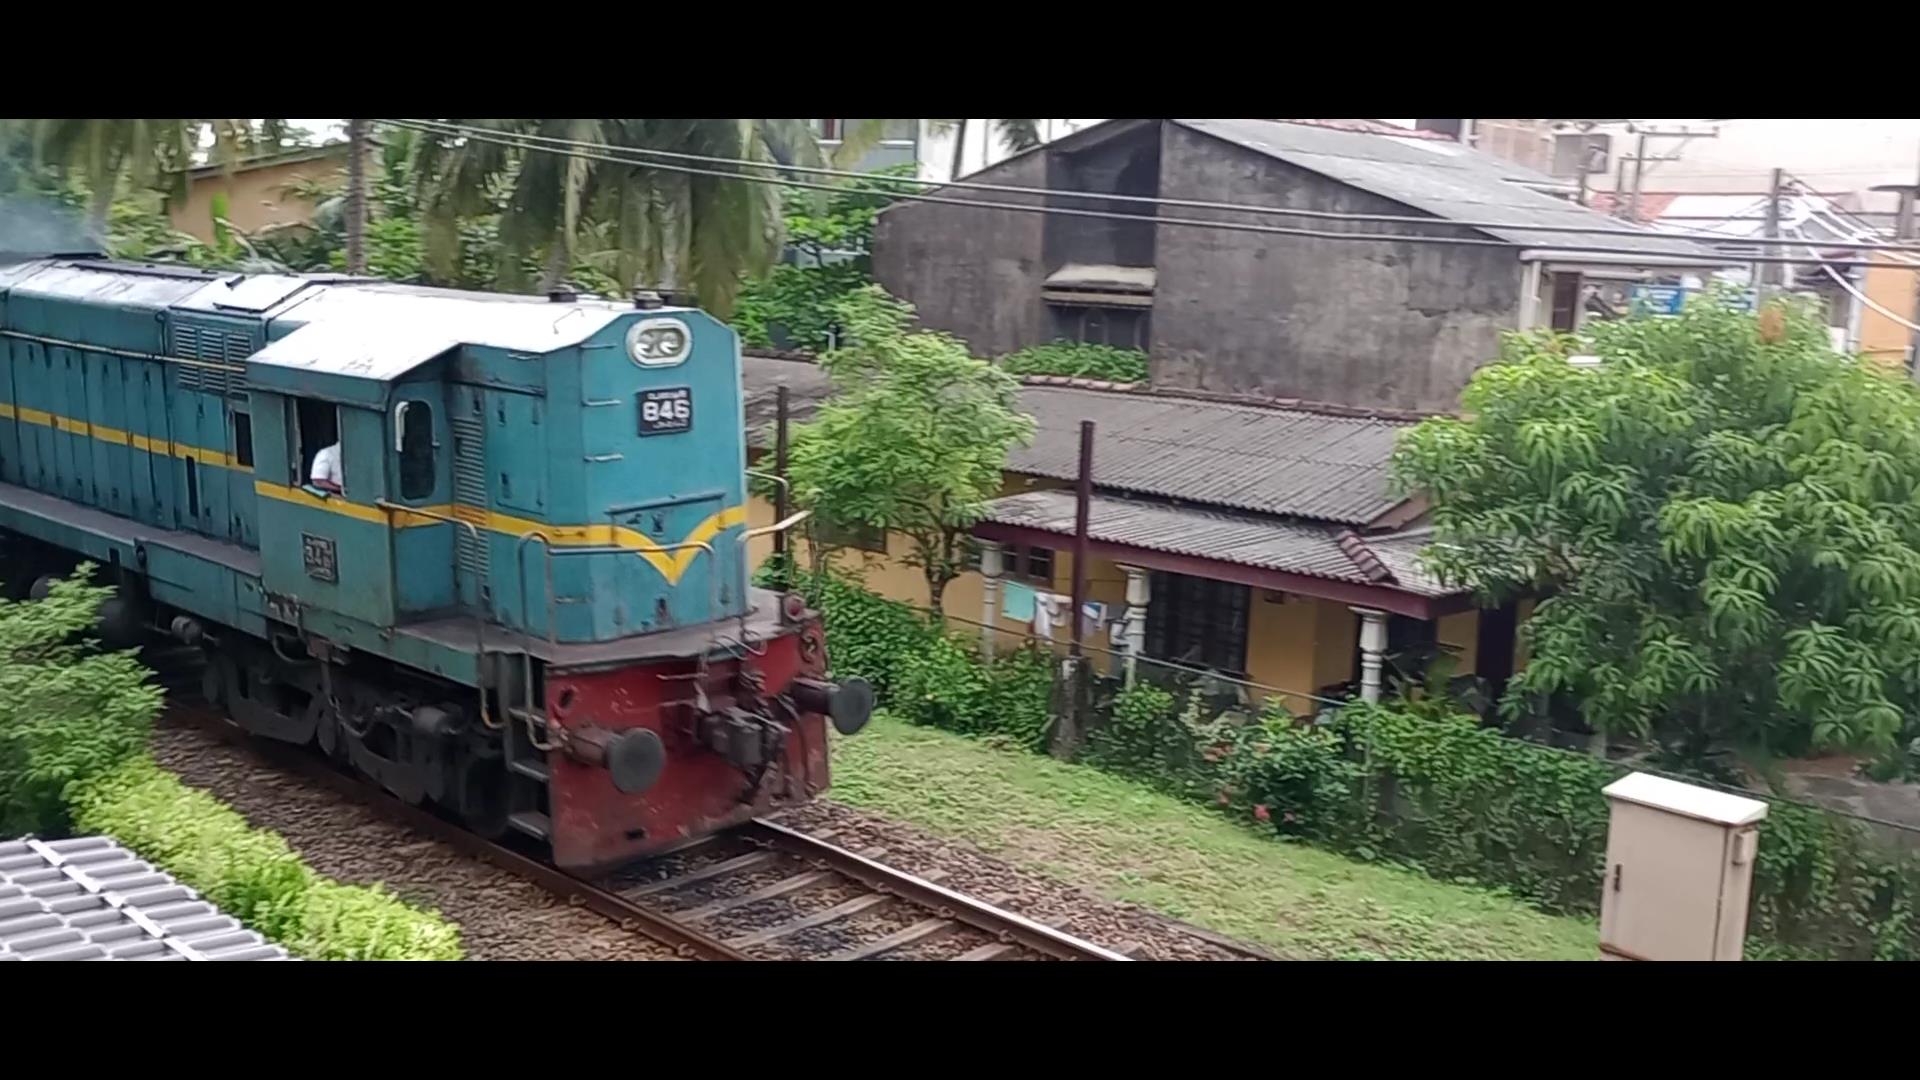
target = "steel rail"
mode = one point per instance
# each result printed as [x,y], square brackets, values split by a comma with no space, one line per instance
[1002,924]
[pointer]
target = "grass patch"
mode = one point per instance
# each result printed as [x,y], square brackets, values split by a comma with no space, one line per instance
[1125,842]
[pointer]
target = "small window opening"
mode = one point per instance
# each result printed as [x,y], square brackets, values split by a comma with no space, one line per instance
[243,440]
[414,423]
[318,426]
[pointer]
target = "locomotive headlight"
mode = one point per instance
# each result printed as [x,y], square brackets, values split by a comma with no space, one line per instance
[658,342]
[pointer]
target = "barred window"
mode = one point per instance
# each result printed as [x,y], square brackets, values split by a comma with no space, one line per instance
[1198,622]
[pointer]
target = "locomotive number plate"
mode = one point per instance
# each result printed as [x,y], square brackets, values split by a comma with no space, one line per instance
[323,563]
[666,411]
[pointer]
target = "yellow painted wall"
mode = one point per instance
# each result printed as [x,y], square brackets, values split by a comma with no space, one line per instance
[1337,659]
[254,198]
[1283,645]
[1460,632]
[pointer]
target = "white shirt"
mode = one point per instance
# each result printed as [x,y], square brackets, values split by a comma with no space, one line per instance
[326,466]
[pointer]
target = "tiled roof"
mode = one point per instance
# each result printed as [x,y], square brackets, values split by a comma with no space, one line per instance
[1308,548]
[1293,458]
[91,899]
[1445,179]
[1277,460]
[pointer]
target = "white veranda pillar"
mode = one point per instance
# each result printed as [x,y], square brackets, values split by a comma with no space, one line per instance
[1136,616]
[1373,651]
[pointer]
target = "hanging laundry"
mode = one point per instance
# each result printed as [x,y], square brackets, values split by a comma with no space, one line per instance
[1093,615]
[1016,601]
[1046,614]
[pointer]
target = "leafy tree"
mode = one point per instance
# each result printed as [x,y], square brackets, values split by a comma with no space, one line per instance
[67,711]
[914,440]
[830,251]
[151,153]
[1723,516]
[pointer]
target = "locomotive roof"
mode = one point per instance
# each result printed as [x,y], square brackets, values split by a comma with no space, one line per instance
[358,328]
[380,331]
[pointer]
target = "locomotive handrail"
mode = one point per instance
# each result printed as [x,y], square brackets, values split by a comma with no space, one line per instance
[782,525]
[785,487]
[479,612]
[547,553]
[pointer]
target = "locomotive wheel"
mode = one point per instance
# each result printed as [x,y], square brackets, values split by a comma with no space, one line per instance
[215,677]
[482,797]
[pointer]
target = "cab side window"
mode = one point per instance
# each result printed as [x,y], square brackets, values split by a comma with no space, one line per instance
[413,436]
[317,459]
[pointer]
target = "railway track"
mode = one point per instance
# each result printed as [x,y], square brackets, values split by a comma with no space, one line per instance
[760,892]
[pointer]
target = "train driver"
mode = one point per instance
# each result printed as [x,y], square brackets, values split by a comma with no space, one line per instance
[325,473]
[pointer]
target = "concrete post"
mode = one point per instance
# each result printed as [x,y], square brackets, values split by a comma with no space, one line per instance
[1138,594]
[991,567]
[1373,651]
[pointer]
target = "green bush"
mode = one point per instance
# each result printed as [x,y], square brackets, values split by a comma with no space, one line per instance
[251,873]
[348,922]
[1078,360]
[67,710]
[941,685]
[867,635]
[1019,697]
[1464,802]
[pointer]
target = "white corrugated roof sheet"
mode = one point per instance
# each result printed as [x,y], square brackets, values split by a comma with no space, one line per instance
[88,898]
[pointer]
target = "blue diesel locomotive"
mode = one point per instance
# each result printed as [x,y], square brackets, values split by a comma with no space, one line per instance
[525,600]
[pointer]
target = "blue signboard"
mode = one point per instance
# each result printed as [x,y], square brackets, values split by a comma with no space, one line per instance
[1657,299]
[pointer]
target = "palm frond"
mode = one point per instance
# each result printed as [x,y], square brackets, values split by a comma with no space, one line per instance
[1018,135]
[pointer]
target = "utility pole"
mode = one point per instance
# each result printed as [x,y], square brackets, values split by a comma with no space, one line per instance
[1632,200]
[1071,712]
[1770,272]
[1639,173]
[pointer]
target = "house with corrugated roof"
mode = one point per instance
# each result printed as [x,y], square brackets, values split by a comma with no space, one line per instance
[1312,305]
[1252,538]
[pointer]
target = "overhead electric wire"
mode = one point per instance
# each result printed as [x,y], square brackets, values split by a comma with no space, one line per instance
[447,128]
[1848,286]
[1704,259]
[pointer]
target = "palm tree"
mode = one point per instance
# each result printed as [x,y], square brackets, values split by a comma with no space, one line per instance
[654,226]
[356,196]
[1015,135]
[102,152]
[154,153]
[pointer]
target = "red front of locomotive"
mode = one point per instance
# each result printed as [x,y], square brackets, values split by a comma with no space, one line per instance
[651,754]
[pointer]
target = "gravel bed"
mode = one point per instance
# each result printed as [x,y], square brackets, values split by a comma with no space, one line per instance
[1122,927]
[501,916]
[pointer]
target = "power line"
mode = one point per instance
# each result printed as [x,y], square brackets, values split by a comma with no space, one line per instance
[1850,290]
[1704,259]
[1154,200]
